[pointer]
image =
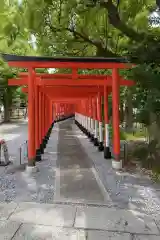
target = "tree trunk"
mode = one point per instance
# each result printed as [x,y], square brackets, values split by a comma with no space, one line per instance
[7,105]
[6,112]
[121,112]
[154,128]
[129,112]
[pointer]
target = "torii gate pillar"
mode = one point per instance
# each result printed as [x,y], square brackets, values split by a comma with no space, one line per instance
[116,163]
[31,119]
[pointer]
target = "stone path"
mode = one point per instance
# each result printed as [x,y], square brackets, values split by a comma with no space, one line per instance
[76,195]
[58,221]
[77,178]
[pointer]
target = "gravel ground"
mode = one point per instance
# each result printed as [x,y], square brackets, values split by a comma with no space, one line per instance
[15,134]
[15,184]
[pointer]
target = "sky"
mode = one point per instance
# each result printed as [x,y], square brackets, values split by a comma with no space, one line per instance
[155,15]
[19,1]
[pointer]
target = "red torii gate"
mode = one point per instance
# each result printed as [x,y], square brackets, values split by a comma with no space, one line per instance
[69,88]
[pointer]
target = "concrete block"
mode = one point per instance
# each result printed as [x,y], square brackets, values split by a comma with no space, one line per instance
[40,232]
[117,165]
[146,237]
[114,220]
[45,214]
[31,169]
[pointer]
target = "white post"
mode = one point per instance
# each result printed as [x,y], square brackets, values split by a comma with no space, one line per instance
[101,147]
[96,133]
[107,135]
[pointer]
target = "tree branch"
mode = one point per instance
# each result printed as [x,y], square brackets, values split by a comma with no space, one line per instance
[116,22]
[103,52]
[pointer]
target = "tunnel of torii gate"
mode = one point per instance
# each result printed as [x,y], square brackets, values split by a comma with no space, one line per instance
[53,97]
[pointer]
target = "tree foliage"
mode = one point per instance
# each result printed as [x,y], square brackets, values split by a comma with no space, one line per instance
[106,28]
[15,41]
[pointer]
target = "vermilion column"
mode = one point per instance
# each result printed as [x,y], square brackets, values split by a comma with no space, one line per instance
[107,153]
[31,118]
[92,120]
[86,116]
[50,112]
[95,122]
[54,112]
[45,116]
[99,115]
[115,115]
[89,119]
[43,134]
[58,117]
[40,120]
[38,153]
[44,113]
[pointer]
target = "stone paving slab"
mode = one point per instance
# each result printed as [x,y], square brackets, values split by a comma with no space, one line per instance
[45,214]
[8,229]
[6,209]
[114,220]
[145,237]
[104,235]
[39,232]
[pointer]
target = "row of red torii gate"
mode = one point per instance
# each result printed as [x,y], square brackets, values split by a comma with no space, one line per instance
[53,97]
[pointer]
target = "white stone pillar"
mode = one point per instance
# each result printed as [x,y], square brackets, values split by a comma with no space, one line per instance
[101,147]
[107,153]
[92,129]
[96,143]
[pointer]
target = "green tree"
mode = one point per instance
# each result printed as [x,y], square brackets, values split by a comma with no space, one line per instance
[15,41]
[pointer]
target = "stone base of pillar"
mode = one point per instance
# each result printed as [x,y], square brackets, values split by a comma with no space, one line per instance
[117,165]
[101,147]
[38,155]
[31,169]
[31,162]
[96,143]
[107,153]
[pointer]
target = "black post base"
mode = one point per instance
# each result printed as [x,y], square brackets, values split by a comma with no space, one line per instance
[107,153]
[38,155]
[44,143]
[100,147]
[85,131]
[42,148]
[96,143]
[89,135]
[92,138]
